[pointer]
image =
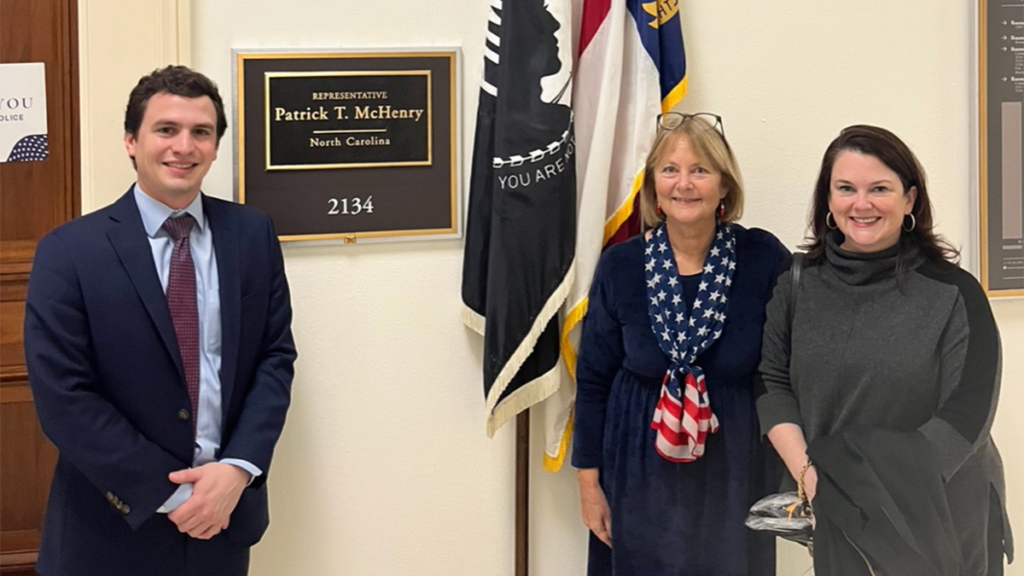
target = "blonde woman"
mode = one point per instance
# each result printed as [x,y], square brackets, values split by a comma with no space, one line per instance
[666,439]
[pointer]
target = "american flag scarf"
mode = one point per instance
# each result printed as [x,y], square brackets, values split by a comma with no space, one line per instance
[683,417]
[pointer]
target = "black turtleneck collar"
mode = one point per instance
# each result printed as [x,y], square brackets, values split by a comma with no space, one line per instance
[857,269]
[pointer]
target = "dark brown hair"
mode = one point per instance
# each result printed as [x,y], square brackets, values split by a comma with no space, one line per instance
[892,152]
[176,80]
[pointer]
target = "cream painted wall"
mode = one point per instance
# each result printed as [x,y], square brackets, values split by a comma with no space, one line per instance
[384,468]
[112,57]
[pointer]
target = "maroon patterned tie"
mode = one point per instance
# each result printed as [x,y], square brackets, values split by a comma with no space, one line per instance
[181,300]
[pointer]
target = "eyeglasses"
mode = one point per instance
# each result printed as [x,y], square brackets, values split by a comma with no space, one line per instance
[673,120]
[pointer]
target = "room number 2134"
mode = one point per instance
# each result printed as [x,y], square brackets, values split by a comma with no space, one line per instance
[349,206]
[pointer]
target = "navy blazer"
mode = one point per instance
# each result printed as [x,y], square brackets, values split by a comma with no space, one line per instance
[110,392]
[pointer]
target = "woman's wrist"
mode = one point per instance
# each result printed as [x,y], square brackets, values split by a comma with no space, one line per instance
[587,477]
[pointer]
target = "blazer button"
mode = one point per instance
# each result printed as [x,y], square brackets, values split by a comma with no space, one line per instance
[110,496]
[126,509]
[183,414]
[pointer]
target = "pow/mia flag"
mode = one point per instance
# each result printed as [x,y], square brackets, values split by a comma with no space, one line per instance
[521,229]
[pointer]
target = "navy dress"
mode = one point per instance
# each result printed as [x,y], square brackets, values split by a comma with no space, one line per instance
[675,519]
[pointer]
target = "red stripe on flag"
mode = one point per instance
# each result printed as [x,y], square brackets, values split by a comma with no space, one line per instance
[594,13]
[676,439]
[629,228]
[692,411]
[673,408]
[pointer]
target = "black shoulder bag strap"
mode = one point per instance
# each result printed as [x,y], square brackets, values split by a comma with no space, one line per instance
[794,271]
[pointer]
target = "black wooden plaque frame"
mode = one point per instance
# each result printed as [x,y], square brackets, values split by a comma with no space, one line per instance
[349,145]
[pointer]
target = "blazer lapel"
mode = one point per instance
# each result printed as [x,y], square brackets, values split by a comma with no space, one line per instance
[225,246]
[130,242]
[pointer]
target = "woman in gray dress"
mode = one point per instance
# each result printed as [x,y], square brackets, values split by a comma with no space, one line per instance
[881,371]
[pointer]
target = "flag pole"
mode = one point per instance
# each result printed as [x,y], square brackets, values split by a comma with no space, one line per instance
[522,493]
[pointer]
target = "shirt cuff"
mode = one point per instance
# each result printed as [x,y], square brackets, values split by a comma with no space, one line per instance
[184,492]
[244,465]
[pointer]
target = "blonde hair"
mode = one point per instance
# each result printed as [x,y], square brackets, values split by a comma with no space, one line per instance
[711,145]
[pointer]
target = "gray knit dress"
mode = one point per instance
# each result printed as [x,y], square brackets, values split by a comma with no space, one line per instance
[916,349]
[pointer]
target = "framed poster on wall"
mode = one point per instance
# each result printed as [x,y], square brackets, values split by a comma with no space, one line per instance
[1001,146]
[349,145]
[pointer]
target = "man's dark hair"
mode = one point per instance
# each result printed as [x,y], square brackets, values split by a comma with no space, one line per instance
[176,80]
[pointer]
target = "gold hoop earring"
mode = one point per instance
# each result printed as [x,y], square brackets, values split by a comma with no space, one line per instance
[833,225]
[913,223]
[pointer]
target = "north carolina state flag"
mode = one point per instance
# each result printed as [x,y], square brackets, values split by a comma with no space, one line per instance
[631,67]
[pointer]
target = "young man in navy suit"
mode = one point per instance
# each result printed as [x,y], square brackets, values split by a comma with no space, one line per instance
[159,348]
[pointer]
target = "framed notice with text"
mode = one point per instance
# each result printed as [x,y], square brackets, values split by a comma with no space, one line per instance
[349,145]
[1001,146]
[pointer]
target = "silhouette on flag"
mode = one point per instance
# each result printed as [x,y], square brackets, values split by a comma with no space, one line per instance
[521,229]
